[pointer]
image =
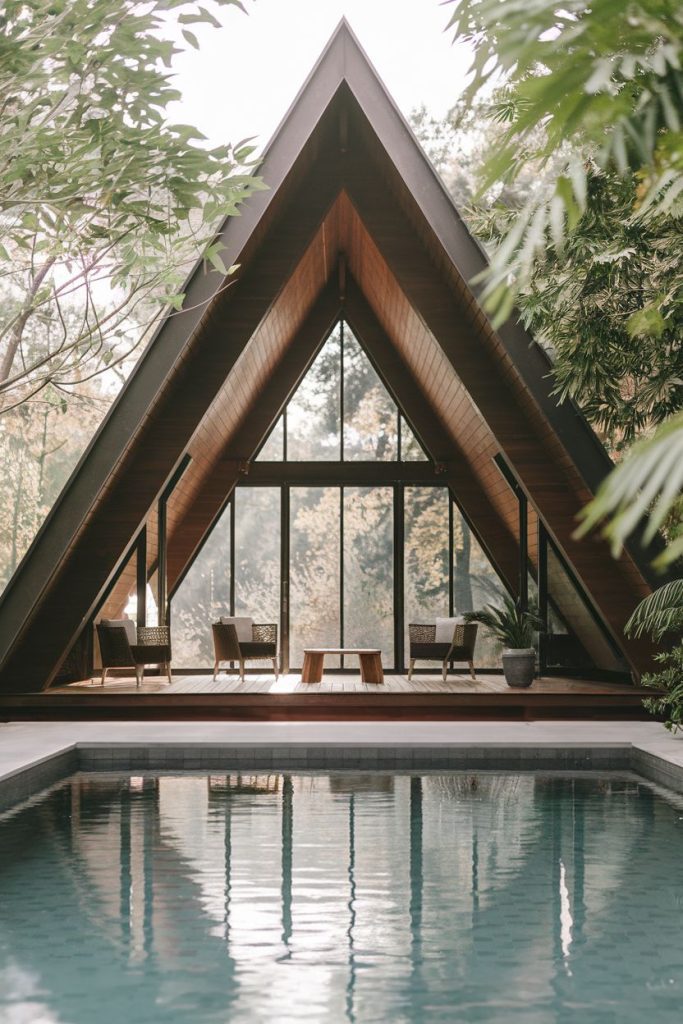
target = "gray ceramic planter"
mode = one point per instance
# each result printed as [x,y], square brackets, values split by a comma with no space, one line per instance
[519,666]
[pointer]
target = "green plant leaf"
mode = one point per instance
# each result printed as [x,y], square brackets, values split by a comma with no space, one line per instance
[191,38]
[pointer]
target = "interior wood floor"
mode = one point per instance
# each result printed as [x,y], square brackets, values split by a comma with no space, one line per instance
[338,684]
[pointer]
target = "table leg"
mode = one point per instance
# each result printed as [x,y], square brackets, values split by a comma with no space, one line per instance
[371,668]
[312,670]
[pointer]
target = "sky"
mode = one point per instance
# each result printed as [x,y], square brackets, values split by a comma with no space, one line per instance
[244,77]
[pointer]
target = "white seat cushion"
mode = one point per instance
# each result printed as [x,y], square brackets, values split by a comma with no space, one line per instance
[242,624]
[446,627]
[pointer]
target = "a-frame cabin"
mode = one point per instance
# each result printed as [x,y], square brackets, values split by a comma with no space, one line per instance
[356,226]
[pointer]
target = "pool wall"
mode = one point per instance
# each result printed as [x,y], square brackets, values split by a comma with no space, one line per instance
[28,780]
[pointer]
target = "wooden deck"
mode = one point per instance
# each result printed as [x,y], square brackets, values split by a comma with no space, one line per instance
[338,696]
[339,683]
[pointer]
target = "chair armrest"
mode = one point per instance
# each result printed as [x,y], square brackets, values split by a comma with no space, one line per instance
[157,639]
[264,633]
[225,642]
[154,635]
[465,638]
[422,633]
[115,649]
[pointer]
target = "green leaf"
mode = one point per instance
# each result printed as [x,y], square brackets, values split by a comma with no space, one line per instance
[647,322]
[649,480]
[93,175]
[659,613]
[216,262]
[202,16]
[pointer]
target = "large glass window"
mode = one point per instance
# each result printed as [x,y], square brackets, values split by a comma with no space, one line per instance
[314,574]
[257,553]
[341,539]
[426,561]
[314,412]
[369,569]
[569,618]
[411,450]
[341,411]
[475,584]
[370,415]
[273,449]
[202,597]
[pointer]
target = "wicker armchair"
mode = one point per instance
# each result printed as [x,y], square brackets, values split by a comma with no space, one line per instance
[122,645]
[261,647]
[423,646]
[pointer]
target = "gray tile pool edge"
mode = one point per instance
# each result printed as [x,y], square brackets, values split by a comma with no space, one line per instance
[27,781]
[502,757]
[657,769]
[30,779]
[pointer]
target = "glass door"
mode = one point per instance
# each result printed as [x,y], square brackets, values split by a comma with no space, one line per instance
[340,586]
[314,608]
[368,569]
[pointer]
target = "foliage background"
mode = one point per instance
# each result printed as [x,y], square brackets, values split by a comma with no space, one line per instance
[105,206]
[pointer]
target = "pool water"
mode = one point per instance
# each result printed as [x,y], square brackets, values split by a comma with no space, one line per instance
[529,898]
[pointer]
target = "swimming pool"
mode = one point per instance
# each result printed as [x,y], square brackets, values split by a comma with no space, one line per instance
[480,897]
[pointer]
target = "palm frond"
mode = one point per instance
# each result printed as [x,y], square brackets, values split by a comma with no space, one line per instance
[510,626]
[604,78]
[649,480]
[660,613]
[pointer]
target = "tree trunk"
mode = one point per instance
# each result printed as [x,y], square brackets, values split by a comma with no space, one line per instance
[41,461]
[17,332]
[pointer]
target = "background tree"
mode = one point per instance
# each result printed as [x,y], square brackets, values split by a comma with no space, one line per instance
[593,306]
[604,82]
[39,444]
[103,203]
[603,78]
[105,206]
[598,246]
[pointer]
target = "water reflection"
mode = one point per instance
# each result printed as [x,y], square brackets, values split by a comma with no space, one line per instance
[351,984]
[287,860]
[566,920]
[484,897]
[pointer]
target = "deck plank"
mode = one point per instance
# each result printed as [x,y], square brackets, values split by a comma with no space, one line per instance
[490,684]
[338,697]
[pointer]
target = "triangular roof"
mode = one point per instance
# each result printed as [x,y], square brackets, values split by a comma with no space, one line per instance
[355,221]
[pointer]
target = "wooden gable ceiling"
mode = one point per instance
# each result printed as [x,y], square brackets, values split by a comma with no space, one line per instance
[345,176]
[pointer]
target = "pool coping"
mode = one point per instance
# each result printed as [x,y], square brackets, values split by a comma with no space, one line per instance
[34,756]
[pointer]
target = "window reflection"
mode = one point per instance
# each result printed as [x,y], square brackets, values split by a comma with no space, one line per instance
[314,581]
[410,894]
[314,412]
[370,415]
[369,569]
[202,597]
[426,563]
[257,553]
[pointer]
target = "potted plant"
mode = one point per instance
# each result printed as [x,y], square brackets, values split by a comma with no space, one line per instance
[515,630]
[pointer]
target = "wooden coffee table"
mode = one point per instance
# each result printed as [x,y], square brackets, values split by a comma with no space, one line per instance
[370,663]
